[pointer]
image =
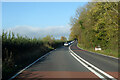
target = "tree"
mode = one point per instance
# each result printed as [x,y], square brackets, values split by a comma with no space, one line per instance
[63,38]
[97,24]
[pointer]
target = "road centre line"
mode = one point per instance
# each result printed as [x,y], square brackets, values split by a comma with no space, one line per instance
[88,67]
[82,61]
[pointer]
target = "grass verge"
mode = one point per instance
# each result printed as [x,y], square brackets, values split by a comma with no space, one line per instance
[22,58]
[107,52]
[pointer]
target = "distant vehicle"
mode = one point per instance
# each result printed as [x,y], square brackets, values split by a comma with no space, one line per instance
[66,44]
[69,43]
[72,41]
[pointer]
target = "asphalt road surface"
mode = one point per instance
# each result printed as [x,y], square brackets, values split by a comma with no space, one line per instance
[61,64]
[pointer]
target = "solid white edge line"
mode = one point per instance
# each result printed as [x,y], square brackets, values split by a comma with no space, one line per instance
[28,66]
[109,76]
[99,53]
[94,67]
[100,76]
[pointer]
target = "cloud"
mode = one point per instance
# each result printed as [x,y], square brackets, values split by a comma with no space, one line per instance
[56,31]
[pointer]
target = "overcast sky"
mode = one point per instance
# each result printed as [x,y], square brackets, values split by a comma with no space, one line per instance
[39,18]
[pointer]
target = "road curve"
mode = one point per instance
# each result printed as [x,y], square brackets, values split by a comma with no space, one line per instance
[106,64]
[60,65]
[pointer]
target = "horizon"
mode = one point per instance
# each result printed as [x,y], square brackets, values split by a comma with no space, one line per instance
[39,19]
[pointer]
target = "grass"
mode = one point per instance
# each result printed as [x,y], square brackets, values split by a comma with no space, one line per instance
[107,52]
[23,58]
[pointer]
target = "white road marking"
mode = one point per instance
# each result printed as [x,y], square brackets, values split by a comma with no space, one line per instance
[27,67]
[78,58]
[100,76]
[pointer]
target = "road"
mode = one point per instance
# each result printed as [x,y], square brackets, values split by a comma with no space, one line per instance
[60,64]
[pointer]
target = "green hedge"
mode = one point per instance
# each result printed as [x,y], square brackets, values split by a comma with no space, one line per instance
[18,52]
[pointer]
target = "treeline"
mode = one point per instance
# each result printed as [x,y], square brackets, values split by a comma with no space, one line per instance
[96,24]
[19,51]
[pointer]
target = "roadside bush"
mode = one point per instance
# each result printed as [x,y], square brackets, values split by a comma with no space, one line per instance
[18,51]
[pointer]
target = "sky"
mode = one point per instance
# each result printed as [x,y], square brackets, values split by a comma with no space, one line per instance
[38,19]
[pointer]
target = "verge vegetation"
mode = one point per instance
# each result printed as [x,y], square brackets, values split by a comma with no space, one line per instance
[96,24]
[105,52]
[19,51]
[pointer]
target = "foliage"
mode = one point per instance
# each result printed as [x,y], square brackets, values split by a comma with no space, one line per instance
[97,24]
[63,38]
[21,51]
